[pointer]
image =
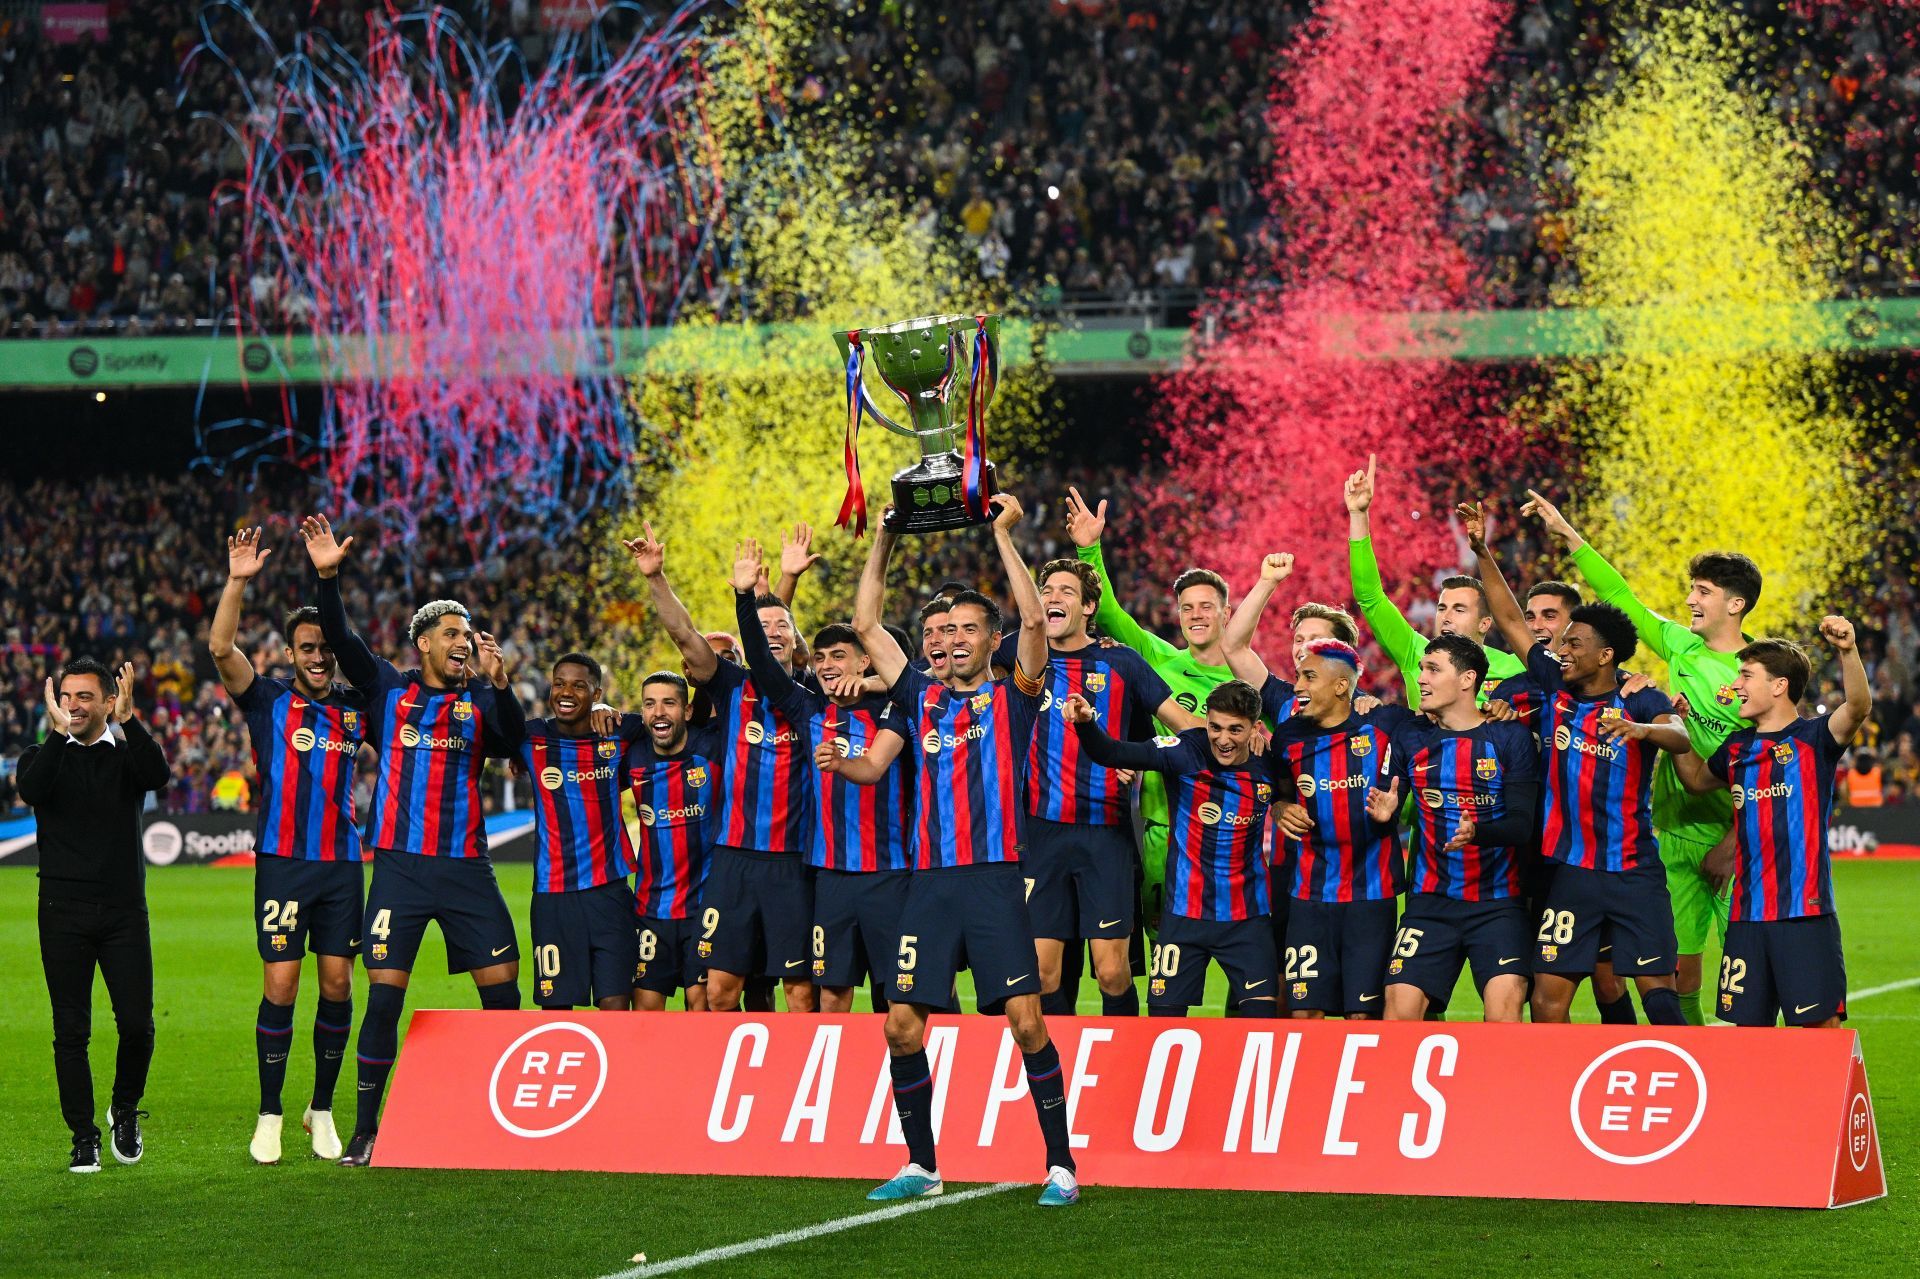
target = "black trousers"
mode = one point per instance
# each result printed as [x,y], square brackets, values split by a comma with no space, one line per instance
[74,938]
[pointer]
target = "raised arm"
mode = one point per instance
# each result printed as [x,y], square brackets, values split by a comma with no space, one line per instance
[147,763]
[1402,644]
[1846,721]
[40,764]
[245,555]
[649,555]
[1274,569]
[1026,596]
[357,660]
[865,769]
[869,600]
[1507,614]
[796,557]
[1086,527]
[769,675]
[506,729]
[1656,632]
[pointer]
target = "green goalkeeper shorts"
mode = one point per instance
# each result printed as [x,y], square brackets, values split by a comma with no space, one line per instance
[1697,909]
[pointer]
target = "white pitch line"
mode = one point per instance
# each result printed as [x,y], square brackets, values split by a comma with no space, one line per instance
[1871,991]
[805,1233]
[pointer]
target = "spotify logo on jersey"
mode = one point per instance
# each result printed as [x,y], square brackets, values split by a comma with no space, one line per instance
[552,778]
[302,740]
[755,733]
[931,742]
[1306,787]
[646,815]
[1562,738]
[1210,814]
[1431,798]
[409,735]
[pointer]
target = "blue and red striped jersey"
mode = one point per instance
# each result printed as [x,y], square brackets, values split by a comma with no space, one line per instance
[433,744]
[1063,785]
[1216,864]
[1278,700]
[765,800]
[972,750]
[1782,786]
[304,752]
[673,797]
[579,837]
[1347,857]
[854,827]
[1449,772]
[1598,803]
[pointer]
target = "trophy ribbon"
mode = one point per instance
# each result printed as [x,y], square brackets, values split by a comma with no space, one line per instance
[980,387]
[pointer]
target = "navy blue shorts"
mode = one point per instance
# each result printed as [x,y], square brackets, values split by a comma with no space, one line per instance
[1242,947]
[1788,970]
[856,924]
[1336,955]
[1628,911]
[761,907]
[584,947]
[301,906]
[667,959]
[409,890]
[1082,879]
[1439,935]
[965,917]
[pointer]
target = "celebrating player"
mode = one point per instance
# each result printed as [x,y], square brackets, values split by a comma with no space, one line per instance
[307,886]
[858,854]
[1597,747]
[758,893]
[1783,959]
[583,910]
[1217,893]
[1310,621]
[1200,600]
[966,901]
[1461,610]
[673,772]
[1346,869]
[1476,791]
[434,727]
[1703,659]
[1079,855]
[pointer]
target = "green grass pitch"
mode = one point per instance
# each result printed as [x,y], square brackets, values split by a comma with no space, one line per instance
[196,1206]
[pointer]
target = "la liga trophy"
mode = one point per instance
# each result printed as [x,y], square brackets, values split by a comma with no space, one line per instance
[932,366]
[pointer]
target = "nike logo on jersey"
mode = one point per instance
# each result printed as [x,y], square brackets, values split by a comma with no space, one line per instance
[354,942]
[1803,1008]
[1367,998]
[1109,923]
[501,950]
[1011,980]
[1255,985]
[795,963]
[1643,961]
[1514,960]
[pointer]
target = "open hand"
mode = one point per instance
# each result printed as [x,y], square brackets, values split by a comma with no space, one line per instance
[1384,805]
[796,550]
[747,566]
[322,549]
[1085,526]
[58,721]
[245,555]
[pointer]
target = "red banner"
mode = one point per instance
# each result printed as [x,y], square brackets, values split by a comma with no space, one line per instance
[1766,1117]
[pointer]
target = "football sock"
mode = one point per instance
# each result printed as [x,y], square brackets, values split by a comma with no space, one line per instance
[1124,1004]
[1060,1003]
[331,1021]
[913,1099]
[1663,1007]
[379,1044]
[1619,1012]
[502,994]
[1166,1010]
[1047,1082]
[1690,1009]
[1260,1008]
[272,1037]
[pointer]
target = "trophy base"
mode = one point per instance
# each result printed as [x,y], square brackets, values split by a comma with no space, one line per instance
[928,497]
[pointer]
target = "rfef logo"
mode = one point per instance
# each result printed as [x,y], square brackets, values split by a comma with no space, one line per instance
[1639,1102]
[548,1079]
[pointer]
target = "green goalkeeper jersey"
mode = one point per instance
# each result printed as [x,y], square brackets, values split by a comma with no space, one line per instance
[1405,646]
[1190,680]
[1705,677]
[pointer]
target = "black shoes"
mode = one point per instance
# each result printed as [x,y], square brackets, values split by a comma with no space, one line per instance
[126,1141]
[86,1155]
[359,1151]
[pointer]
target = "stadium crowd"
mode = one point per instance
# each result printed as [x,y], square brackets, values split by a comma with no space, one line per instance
[1109,149]
[74,583]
